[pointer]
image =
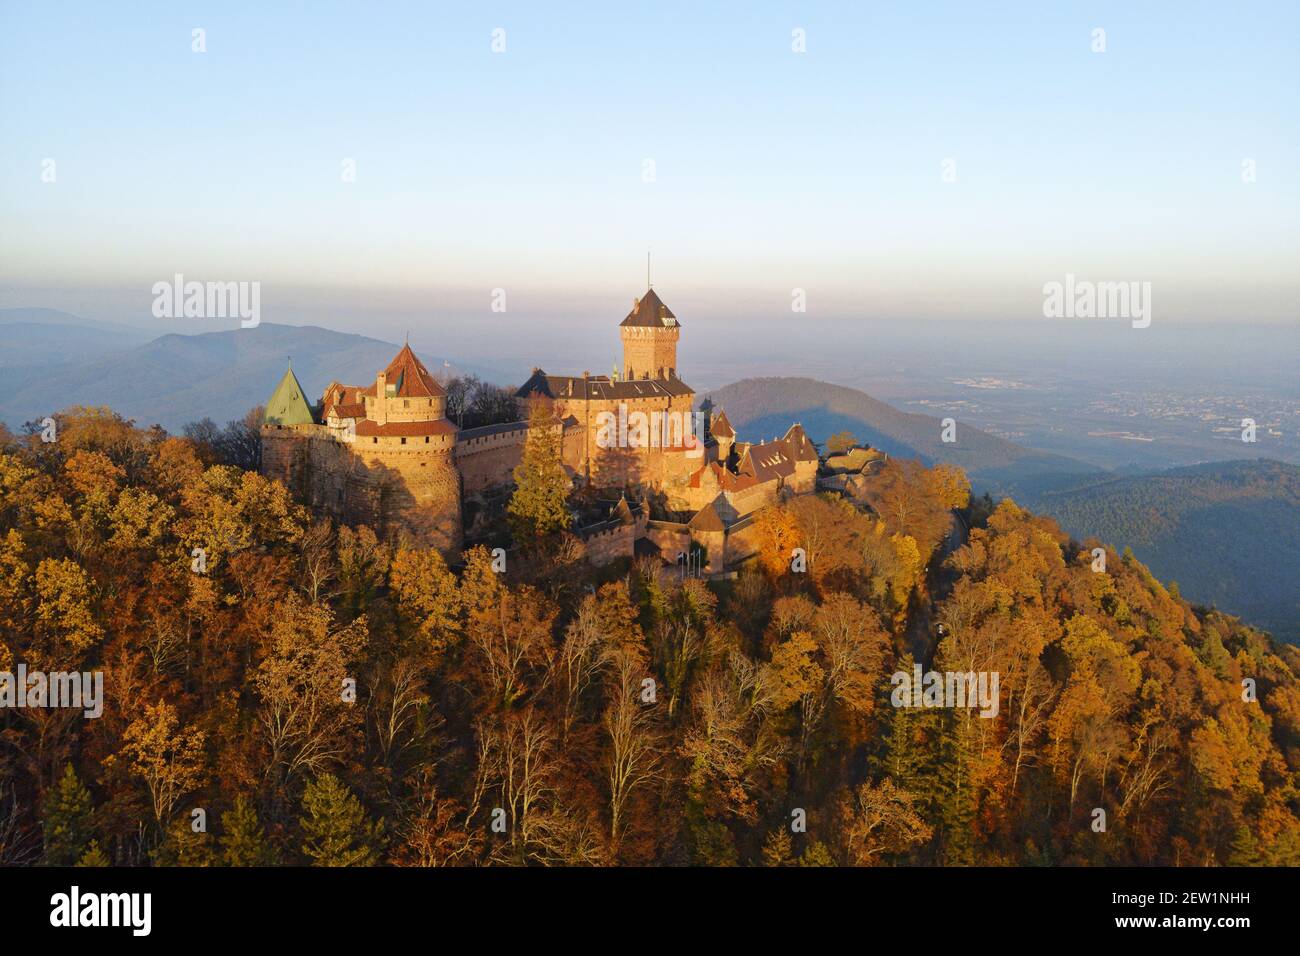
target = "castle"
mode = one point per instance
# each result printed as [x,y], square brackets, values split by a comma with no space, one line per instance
[385,454]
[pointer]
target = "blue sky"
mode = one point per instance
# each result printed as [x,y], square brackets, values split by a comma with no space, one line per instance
[774,170]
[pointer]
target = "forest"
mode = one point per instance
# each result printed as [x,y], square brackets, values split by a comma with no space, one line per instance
[1178,520]
[282,689]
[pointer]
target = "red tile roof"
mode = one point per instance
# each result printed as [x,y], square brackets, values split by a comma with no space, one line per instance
[719,427]
[346,411]
[366,428]
[409,377]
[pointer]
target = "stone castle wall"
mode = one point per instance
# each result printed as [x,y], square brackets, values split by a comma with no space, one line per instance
[649,352]
[488,460]
[619,467]
[388,485]
[609,544]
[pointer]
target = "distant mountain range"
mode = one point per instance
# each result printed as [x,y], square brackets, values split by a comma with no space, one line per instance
[56,361]
[1227,532]
[39,338]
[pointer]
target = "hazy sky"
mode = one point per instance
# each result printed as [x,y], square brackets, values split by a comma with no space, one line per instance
[524,170]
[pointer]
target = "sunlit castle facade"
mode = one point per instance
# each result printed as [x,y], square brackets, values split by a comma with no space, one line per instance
[385,454]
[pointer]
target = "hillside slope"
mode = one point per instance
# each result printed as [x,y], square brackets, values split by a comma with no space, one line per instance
[1227,532]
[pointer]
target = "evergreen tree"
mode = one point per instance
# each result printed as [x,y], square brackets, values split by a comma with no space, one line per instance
[183,846]
[335,829]
[903,731]
[1243,851]
[539,505]
[243,842]
[957,799]
[776,849]
[93,856]
[816,854]
[67,820]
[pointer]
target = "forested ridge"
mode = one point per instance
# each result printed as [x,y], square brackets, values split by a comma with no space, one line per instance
[326,697]
[1179,520]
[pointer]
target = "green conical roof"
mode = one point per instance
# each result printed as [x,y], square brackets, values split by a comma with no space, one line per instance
[287,405]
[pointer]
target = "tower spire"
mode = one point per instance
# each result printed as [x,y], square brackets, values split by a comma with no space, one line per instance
[648,283]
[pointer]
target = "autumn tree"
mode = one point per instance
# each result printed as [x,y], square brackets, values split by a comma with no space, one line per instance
[880,820]
[841,442]
[166,756]
[632,760]
[428,600]
[307,690]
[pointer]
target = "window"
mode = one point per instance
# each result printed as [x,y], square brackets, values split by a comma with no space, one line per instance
[403,439]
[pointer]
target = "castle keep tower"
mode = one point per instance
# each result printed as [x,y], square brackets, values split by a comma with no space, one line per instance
[650,333]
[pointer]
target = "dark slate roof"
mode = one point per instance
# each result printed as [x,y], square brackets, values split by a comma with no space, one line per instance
[483,431]
[624,511]
[799,444]
[725,479]
[600,387]
[707,519]
[649,311]
[767,461]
